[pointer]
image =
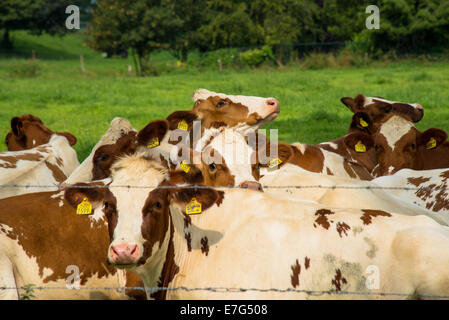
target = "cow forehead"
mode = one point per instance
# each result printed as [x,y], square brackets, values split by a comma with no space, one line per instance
[233,147]
[371,100]
[394,129]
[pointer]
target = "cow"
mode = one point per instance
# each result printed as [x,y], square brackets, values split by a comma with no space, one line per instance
[399,145]
[369,114]
[176,236]
[41,168]
[43,240]
[28,131]
[309,157]
[426,188]
[118,128]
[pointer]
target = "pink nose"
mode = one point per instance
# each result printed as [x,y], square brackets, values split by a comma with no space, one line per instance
[274,105]
[124,253]
[419,106]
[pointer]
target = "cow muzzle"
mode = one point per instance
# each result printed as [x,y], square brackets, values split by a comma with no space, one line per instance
[274,107]
[124,254]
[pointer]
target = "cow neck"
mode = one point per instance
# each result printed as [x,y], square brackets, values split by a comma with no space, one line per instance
[159,269]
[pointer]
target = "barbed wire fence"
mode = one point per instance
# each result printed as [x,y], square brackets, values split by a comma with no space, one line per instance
[149,291]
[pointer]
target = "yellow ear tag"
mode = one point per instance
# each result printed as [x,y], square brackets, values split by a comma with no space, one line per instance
[274,163]
[85,207]
[431,144]
[363,123]
[193,207]
[360,147]
[183,125]
[184,166]
[153,143]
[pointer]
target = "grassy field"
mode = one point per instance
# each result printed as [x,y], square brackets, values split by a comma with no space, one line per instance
[311,111]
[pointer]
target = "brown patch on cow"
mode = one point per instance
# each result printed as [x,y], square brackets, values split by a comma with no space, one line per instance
[169,269]
[369,214]
[349,169]
[188,238]
[187,221]
[329,172]
[342,228]
[56,172]
[133,280]
[426,192]
[311,160]
[204,246]
[56,236]
[306,263]
[322,218]
[417,181]
[296,270]
[338,280]
[10,162]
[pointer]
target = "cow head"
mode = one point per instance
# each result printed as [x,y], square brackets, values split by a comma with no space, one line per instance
[28,131]
[106,155]
[399,145]
[241,112]
[377,108]
[138,218]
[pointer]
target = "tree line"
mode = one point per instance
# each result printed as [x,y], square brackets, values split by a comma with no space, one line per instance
[143,26]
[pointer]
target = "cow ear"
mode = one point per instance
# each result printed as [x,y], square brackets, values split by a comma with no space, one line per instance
[358,142]
[17,127]
[190,174]
[70,137]
[432,138]
[176,117]
[205,196]
[78,192]
[284,154]
[349,102]
[362,121]
[153,133]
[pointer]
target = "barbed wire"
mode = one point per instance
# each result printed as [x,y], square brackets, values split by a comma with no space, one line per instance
[62,187]
[230,289]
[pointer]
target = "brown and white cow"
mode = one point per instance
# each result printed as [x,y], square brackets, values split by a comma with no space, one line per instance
[369,114]
[311,158]
[295,245]
[28,131]
[42,240]
[399,145]
[38,169]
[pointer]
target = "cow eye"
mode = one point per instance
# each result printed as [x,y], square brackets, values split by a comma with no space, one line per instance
[212,166]
[413,146]
[158,205]
[221,103]
[106,205]
[103,157]
[376,147]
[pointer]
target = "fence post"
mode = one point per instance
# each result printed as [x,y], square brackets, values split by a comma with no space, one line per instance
[33,55]
[83,70]
[220,65]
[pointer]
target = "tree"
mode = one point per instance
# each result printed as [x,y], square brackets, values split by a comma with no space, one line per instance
[37,16]
[142,26]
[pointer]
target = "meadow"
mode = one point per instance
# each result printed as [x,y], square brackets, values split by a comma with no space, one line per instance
[54,88]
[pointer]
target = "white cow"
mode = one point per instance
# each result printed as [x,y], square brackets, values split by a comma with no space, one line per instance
[197,238]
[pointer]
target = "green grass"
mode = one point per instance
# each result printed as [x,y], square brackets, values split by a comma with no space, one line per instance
[311,111]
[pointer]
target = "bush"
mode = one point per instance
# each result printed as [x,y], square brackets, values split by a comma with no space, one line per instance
[256,57]
[25,69]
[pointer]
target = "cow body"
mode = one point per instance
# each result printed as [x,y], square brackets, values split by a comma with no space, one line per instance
[43,167]
[41,236]
[248,239]
[426,188]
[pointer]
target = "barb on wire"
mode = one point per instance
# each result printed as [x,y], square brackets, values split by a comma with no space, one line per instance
[233,289]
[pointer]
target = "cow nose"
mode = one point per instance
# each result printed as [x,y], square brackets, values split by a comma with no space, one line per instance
[274,105]
[254,185]
[419,107]
[124,253]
